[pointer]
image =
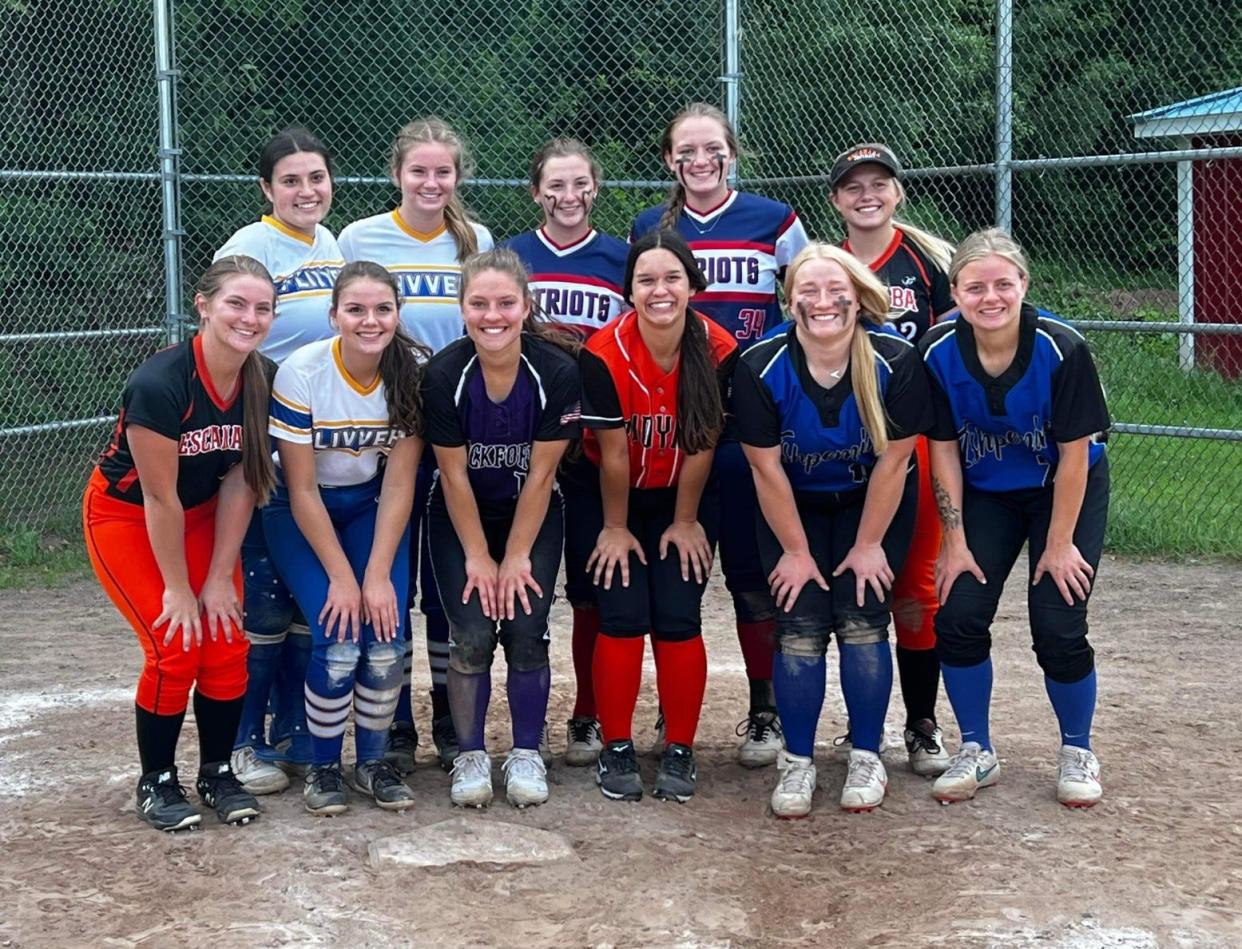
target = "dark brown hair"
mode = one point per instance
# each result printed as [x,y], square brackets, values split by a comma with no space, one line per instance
[700,412]
[562,148]
[677,197]
[288,142]
[400,366]
[257,466]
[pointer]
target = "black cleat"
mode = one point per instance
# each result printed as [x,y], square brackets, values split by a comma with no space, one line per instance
[617,774]
[677,775]
[381,781]
[445,737]
[219,788]
[325,793]
[162,802]
[402,744]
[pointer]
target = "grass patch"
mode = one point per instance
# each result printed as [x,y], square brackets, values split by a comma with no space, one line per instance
[29,558]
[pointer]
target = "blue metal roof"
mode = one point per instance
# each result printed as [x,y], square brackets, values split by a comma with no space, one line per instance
[1214,114]
[1216,103]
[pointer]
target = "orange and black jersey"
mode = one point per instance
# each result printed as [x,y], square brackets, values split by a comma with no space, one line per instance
[624,387]
[171,394]
[918,290]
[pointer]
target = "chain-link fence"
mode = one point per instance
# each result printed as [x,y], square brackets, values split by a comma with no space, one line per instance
[128,144]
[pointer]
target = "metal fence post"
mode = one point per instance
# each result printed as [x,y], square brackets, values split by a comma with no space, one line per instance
[1185,257]
[1004,114]
[170,167]
[732,78]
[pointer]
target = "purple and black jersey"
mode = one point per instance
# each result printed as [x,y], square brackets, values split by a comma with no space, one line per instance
[543,405]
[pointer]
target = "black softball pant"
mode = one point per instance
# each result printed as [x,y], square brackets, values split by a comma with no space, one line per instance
[831,520]
[997,524]
[473,636]
[657,600]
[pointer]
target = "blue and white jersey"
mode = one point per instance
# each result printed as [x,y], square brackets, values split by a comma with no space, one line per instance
[1007,427]
[824,444]
[315,401]
[304,270]
[426,267]
[578,286]
[742,246]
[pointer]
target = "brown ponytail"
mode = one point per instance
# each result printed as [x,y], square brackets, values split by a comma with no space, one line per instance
[434,129]
[400,366]
[257,465]
[677,196]
[700,412]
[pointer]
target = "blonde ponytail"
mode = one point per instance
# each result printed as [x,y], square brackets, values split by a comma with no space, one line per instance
[939,251]
[434,129]
[867,389]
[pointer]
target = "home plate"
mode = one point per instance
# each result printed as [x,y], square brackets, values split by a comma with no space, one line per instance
[462,840]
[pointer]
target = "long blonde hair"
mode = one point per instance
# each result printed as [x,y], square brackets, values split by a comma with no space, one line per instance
[431,128]
[872,311]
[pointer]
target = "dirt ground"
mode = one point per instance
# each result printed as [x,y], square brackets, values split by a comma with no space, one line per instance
[1158,863]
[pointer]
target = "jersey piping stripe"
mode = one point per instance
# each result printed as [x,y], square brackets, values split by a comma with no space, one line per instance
[543,397]
[564,250]
[1051,342]
[702,216]
[1060,325]
[200,364]
[734,245]
[285,229]
[286,401]
[726,296]
[914,258]
[949,335]
[353,383]
[461,383]
[289,418]
[780,352]
[880,335]
[575,278]
[420,236]
[274,422]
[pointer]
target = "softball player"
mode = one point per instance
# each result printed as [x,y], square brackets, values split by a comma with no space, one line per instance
[423,243]
[575,277]
[828,413]
[1017,458]
[502,405]
[295,176]
[866,190]
[345,416]
[742,243]
[651,386]
[163,517]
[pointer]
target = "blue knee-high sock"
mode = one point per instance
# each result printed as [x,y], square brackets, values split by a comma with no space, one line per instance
[970,693]
[405,707]
[1074,703]
[289,718]
[329,693]
[866,682]
[799,685]
[528,704]
[375,697]
[261,663]
[438,659]
[469,695]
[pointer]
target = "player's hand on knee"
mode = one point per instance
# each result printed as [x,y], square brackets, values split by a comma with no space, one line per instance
[220,607]
[342,609]
[693,549]
[514,578]
[379,605]
[1069,571]
[870,566]
[181,612]
[955,559]
[481,575]
[792,572]
[612,554]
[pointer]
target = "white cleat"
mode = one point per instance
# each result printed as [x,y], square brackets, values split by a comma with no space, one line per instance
[583,742]
[762,742]
[256,775]
[472,779]
[925,748]
[865,782]
[791,798]
[526,778]
[1078,778]
[970,769]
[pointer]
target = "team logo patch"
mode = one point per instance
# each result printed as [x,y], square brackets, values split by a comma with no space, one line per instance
[865,154]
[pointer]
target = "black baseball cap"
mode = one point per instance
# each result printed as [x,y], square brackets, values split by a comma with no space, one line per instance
[868,153]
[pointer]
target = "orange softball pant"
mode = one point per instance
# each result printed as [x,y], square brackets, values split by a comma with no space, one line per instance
[914,590]
[120,552]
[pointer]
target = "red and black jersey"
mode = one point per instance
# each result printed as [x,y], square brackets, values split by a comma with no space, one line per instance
[623,386]
[172,395]
[918,290]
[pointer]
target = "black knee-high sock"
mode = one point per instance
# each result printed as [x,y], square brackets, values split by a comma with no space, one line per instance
[157,739]
[217,726]
[919,670]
